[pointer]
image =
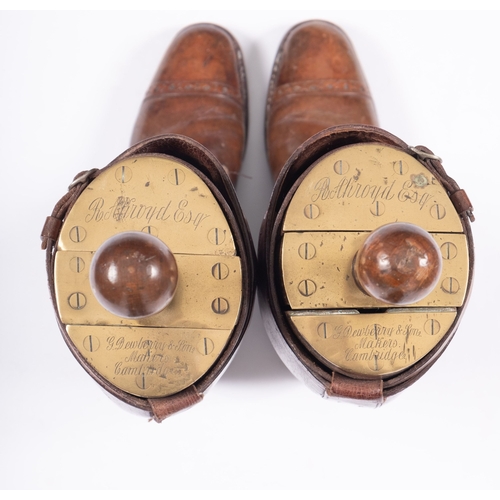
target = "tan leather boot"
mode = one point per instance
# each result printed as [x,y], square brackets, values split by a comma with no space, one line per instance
[317,82]
[366,252]
[150,259]
[200,91]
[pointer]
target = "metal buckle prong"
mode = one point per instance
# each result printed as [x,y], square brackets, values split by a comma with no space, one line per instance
[82,178]
[425,156]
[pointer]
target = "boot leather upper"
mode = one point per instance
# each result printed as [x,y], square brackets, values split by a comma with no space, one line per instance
[200,91]
[317,82]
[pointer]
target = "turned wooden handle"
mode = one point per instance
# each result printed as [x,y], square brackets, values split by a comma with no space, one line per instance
[398,264]
[134,275]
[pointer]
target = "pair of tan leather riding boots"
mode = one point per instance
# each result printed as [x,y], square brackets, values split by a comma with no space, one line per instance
[365,253]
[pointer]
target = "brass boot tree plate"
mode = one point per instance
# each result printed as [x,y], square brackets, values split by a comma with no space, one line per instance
[341,199]
[166,352]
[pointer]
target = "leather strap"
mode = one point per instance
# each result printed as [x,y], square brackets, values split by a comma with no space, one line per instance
[340,385]
[165,407]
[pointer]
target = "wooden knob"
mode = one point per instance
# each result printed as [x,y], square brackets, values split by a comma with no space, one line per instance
[398,264]
[133,275]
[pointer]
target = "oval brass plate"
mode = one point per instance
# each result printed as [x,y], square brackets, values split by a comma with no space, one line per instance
[162,354]
[344,196]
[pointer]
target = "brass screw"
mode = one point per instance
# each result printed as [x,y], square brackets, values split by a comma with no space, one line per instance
[77,234]
[77,301]
[341,167]
[220,305]
[217,236]
[176,176]
[307,287]
[450,285]
[123,174]
[220,271]
[307,251]
[311,211]
[205,346]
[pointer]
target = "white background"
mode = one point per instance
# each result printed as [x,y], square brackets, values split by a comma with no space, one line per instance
[71,84]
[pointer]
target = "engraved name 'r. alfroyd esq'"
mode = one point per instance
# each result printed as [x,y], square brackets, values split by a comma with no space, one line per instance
[351,188]
[126,208]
